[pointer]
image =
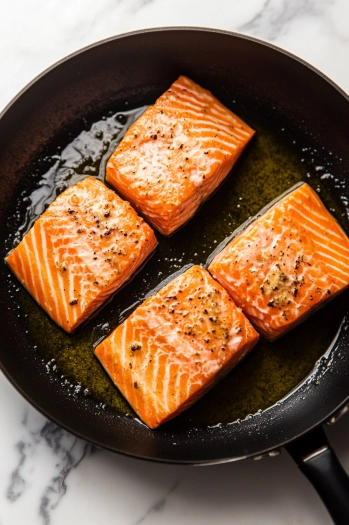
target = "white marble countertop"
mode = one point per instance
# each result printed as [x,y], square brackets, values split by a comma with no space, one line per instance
[48,476]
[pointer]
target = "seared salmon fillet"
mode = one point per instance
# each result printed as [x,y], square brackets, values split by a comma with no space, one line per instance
[284,265]
[176,154]
[176,345]
[81,250]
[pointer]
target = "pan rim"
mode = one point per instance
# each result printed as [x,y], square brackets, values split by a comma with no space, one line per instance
[231,459]
[161,29]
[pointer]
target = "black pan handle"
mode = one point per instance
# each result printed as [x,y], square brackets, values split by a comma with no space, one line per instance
[318,462]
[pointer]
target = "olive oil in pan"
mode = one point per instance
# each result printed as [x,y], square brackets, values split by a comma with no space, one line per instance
[269,166]
[85,156]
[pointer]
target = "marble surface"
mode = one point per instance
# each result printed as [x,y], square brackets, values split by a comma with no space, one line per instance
[48,476]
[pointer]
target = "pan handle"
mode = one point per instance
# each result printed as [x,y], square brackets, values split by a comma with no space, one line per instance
[318,462]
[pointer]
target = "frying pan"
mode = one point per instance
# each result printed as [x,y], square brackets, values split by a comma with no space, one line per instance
[138,67]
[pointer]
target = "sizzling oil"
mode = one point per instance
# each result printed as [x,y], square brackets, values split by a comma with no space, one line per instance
[269,166]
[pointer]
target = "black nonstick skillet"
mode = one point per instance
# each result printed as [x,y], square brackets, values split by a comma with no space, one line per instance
[136,68]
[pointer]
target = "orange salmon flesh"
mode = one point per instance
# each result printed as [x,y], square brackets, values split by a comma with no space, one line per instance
[176,346]
[288,262]
[81,250]
[176,154]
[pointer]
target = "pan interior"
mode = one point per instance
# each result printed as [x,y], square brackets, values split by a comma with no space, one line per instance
[268,373]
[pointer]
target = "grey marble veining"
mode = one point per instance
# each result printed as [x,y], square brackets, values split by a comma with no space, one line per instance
[64,449]
[49,476]
[158,506]
[276,18]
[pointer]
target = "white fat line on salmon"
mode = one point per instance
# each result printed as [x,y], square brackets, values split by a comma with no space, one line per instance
[177,386]
[335,259]
[166,381]
[212,182]
[187,383]
[203,94]
[235,133]
[210,368]
[190,207]
[214,106]
[261,313]
[216,131]
[212,150]
[346,274]
[158,379]
[185,101]
[312,199]
[307,219]
[235,338]
[123,359]
[226,277]
[222,171]
[86,290]
[319,241]
[194,387]
[149,399]
[43,244]
[256,300]
[214,114]
[220,116]
[324,217]
[344,254]
[335,289]
[322,238]
[191,382]
[227,148]
[76,287]
[63,298]
[30,265]
[200,118]
[155,371]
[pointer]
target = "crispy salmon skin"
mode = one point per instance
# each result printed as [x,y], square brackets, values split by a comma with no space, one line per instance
[176,345]
[176,154]
[81,250]
[289,261]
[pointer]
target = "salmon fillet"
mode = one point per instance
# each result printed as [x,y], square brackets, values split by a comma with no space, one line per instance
[288,262]
[81,250]
[176,154]
[176,346]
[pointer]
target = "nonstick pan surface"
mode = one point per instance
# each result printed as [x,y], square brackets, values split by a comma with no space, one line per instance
[136,68]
